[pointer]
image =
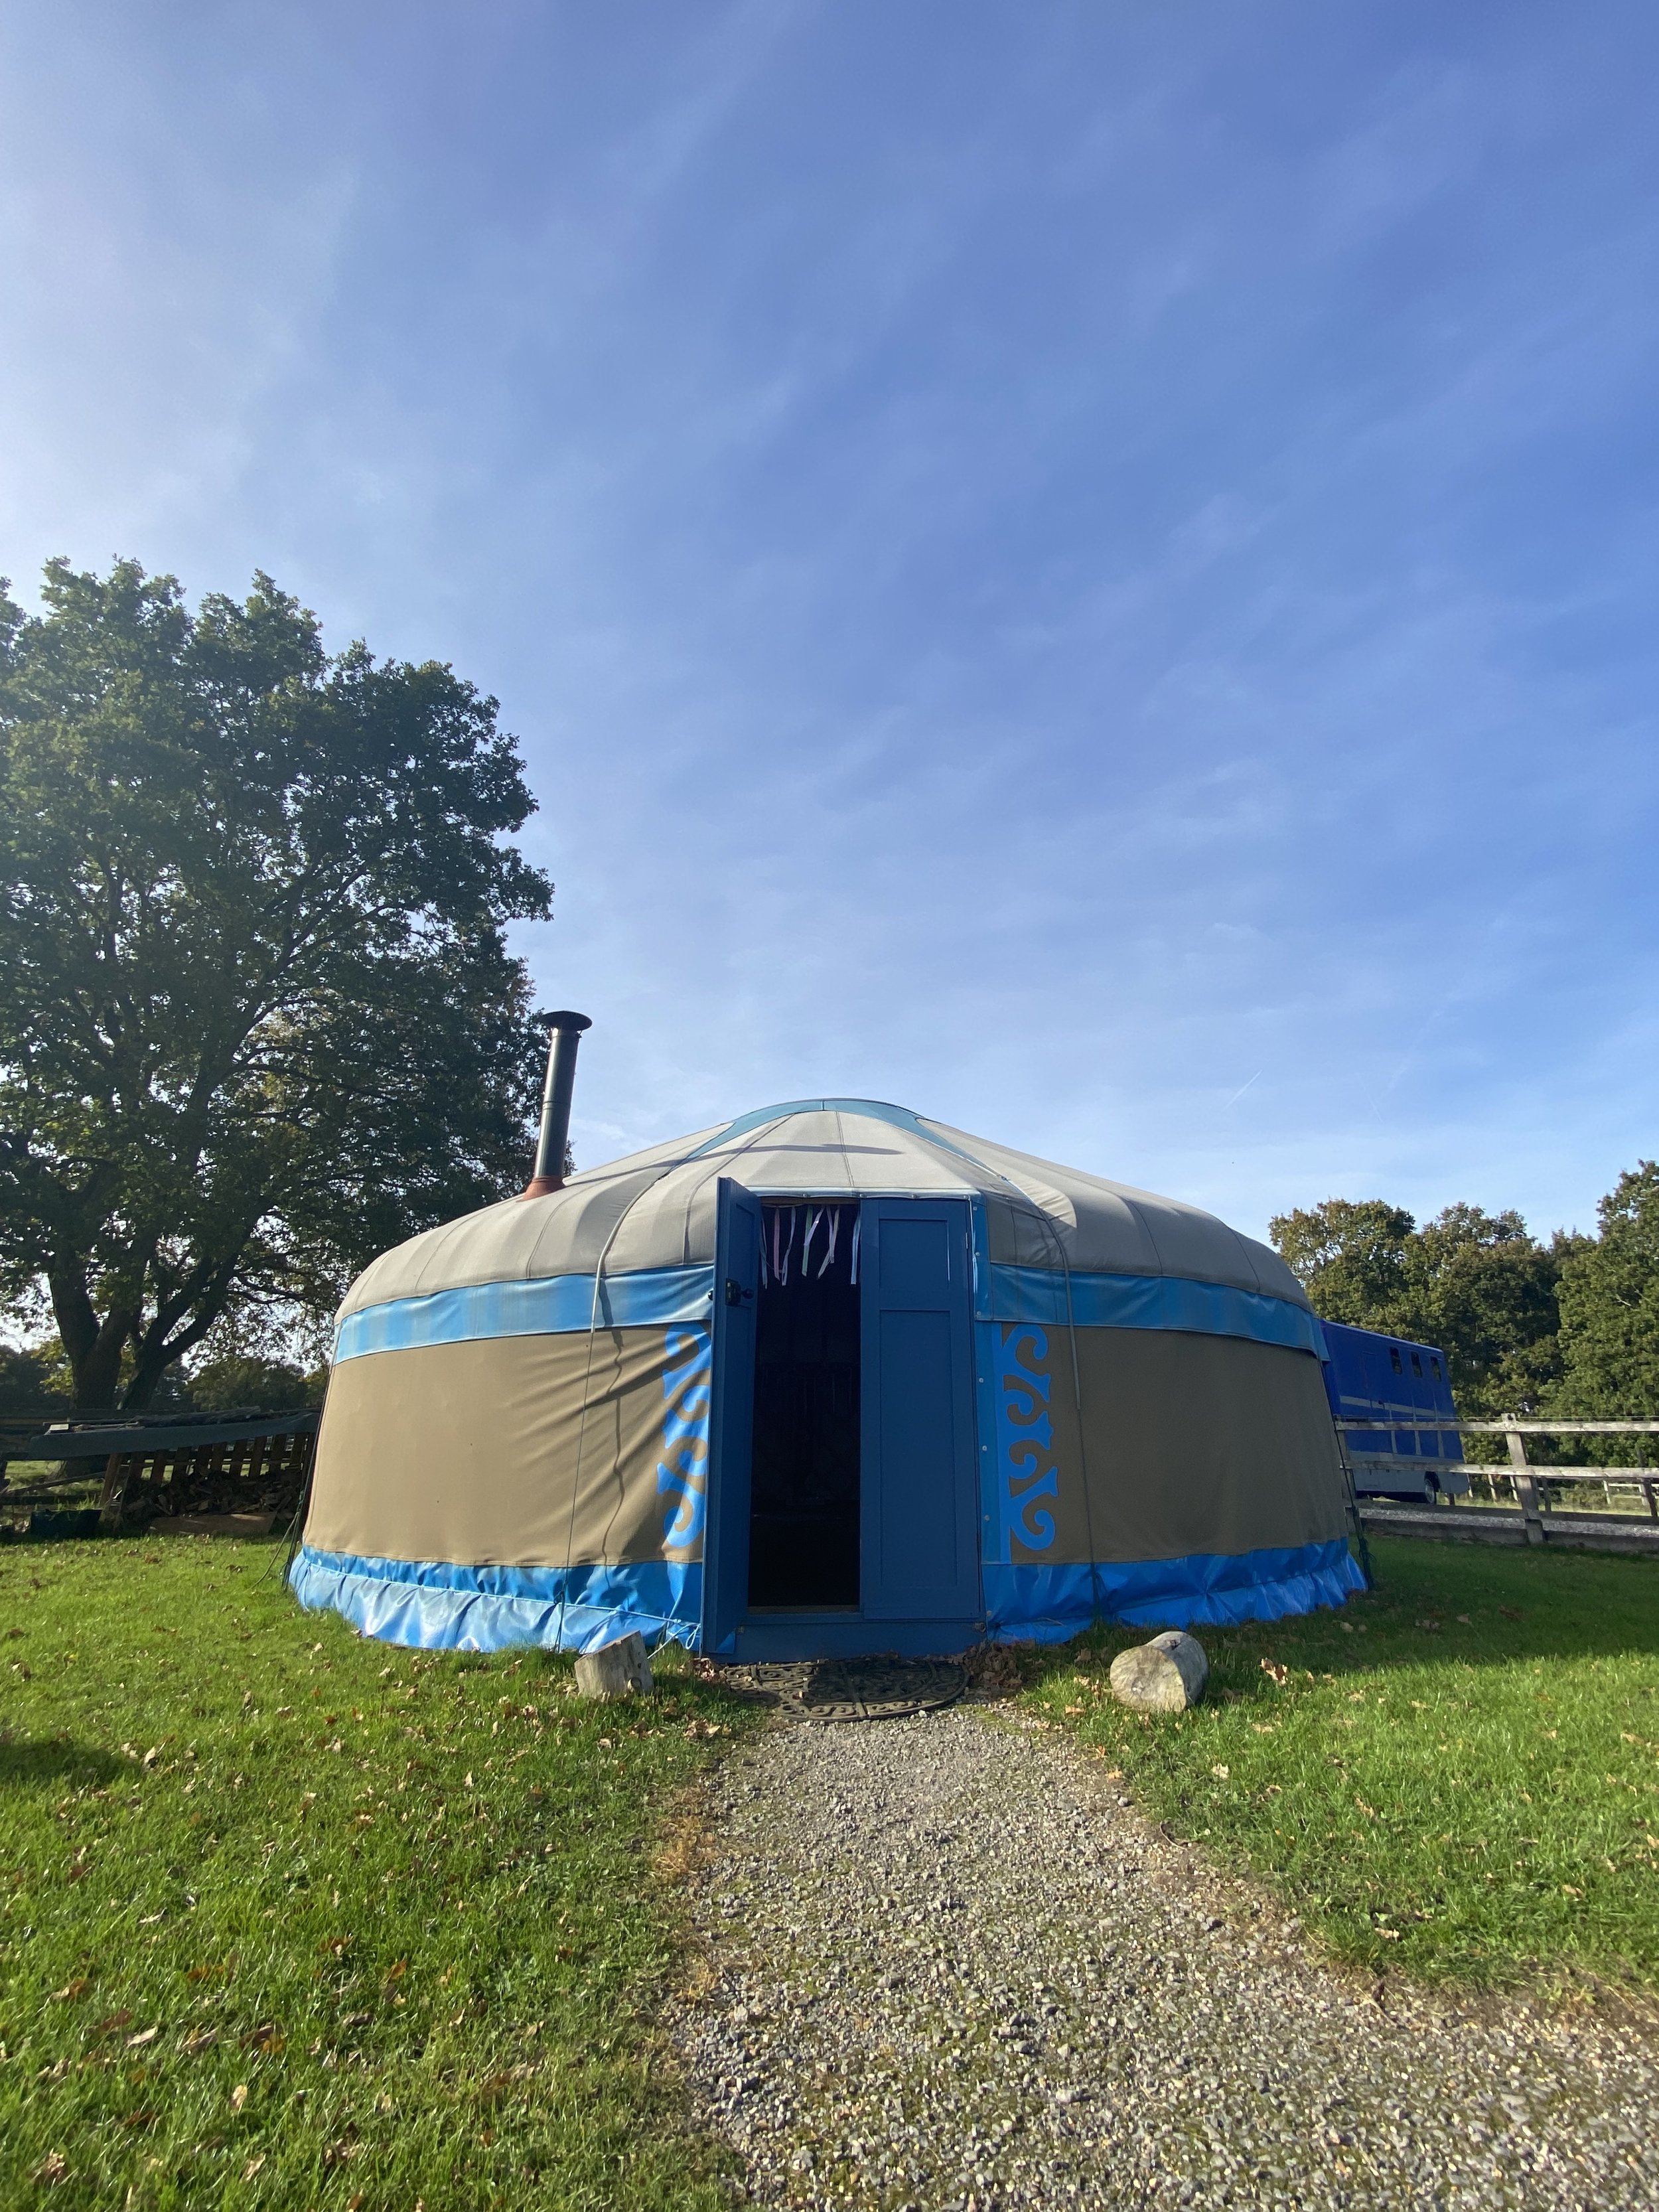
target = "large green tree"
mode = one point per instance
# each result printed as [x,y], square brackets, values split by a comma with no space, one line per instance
[1609,1299]
[1477,1284]
[257,1016]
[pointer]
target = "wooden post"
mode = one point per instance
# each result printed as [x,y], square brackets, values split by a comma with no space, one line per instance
[1526,1489]
[113,1495]
[1354,1521]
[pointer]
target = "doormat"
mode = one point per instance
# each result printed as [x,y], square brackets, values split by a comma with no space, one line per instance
[876,1689]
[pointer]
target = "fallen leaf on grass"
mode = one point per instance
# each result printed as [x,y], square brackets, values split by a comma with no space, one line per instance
[52,2168]
[142,2119]
[239,2097]
[145,2035]
[1275,1674]
[71,1990]
[109,2027]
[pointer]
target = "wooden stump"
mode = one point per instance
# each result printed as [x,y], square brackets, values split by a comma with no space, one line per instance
[1164,1676]
[618,1670]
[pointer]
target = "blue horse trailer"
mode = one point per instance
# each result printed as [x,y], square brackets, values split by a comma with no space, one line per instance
[1367,1375]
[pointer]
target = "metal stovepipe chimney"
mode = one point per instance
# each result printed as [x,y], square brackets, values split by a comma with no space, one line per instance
[564,1033]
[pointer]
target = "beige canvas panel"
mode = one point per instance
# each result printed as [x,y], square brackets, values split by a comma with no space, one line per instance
[1204,1443]
[1193,1444]
[564,1233]
[1119,1229]
[467,1452]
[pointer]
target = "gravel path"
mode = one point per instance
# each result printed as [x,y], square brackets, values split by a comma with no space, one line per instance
[945,1963]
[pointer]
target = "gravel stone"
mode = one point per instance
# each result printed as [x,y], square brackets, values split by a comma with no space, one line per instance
[943,1964]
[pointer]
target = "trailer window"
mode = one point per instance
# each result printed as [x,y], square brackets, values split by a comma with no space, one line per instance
[1434,1366]
[1417,1364]
[1399,1363]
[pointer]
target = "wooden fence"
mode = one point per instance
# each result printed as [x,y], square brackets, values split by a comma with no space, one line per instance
[1536,1519]
[165,1464]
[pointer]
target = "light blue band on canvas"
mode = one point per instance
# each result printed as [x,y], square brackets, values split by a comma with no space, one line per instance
[1173,1302]
[660,1296]
[552,1305]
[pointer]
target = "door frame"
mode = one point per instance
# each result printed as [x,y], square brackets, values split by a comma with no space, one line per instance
[731,1415]
[727,1629]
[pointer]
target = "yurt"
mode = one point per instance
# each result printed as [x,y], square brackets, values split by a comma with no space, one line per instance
[829,1379]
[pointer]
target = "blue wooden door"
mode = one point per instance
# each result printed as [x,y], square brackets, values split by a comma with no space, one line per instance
[920,1534]
[732,1415]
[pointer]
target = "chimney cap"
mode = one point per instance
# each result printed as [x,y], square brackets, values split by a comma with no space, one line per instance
[564,1020]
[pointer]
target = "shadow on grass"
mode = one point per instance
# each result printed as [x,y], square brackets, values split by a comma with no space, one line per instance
[31,1763]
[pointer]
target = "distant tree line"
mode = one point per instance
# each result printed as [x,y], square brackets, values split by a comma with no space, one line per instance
[1530,1328]
[258,1019]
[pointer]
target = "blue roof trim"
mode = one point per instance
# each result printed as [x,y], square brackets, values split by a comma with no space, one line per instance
[1173,1302]
[551,1306]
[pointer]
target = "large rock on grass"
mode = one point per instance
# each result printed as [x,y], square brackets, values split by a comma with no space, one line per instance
[617,1670]
[1164,1676]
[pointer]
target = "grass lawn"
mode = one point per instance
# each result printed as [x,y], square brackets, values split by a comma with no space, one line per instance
[288,1919]
[1457,1774]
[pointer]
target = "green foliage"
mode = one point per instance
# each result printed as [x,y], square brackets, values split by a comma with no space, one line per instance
[1457,1774]
[246,1382]
[297,1920]
[258,1018]
[1474,1283]
[1609,1299]
[30,1378]
[1349,1256]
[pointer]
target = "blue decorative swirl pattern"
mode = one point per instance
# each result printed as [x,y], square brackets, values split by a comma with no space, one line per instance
[1027,1469]
[682,1470]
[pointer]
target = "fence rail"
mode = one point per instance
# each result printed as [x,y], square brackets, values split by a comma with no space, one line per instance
[1524,1475]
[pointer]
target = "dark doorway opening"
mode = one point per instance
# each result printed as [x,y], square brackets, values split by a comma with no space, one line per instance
[804,1524]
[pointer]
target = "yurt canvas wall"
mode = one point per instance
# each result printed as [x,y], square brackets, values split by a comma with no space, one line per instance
[539,1423]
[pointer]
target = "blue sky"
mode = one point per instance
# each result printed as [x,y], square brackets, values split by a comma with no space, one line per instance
[1087,569]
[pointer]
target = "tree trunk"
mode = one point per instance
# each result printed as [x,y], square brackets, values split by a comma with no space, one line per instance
[94,1347]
